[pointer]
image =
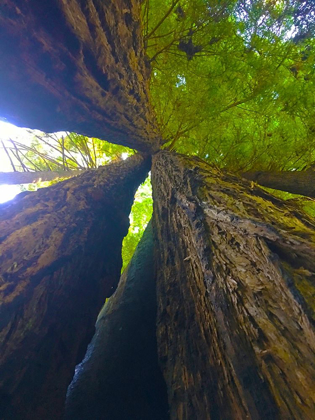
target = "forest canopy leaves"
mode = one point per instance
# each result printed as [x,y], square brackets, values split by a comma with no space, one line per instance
[233,81]
[62,151]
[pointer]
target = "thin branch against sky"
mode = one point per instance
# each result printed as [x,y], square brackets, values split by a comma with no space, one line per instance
[8,131]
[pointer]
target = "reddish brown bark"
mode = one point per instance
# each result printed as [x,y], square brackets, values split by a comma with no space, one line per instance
[235,277]
[60,257]
[295,182]
[76,66]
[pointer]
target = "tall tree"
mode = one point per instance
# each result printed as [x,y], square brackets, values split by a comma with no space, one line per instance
[235,271]
[230,83]
[60,258]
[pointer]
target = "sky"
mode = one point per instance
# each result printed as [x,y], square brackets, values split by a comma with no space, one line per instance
[22,135]
[10,131]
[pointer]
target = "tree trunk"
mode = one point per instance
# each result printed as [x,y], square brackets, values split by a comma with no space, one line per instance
[76,66]
[295,182]
[60,257]
[119,378]
[12,178]
[235,289]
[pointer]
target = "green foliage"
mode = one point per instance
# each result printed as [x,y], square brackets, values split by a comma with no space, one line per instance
[64,151]
[141,213]
[233,81]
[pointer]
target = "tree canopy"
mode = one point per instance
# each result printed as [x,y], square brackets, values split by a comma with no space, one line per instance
[232,82]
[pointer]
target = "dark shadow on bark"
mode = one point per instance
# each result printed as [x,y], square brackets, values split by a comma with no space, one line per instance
[60,257]
[77,66]
[119,378]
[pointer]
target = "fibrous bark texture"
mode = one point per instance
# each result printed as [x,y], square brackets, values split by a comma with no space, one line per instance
[11,178]
[76,66]
[295,182]
[119,378]
[60,257]
[235,289]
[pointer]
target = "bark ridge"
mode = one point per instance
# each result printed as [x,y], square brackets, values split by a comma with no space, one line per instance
[60,257]
[77,66]
[235,276]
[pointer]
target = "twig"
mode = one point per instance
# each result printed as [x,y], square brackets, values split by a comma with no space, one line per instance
[43,156]
[181,133]
[42,139]
[17,156]
[78,148]
[163,49]
[87,151]
[11,161]
[94,151]
[163,19]
[37,168]
[63,152]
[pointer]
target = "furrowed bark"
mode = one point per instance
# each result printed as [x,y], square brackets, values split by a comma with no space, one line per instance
[77,66]
[235,289]
[60,257]
[13,178]
[119,378]
[295,182]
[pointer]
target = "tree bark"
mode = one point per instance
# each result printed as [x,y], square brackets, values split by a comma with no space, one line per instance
[119,378]
[77,66]
[235,289]
[60,257]
[295,182]
[13,178]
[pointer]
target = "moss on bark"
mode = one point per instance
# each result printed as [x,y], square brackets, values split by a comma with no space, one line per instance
[77,66]
[60,257]
[235,274]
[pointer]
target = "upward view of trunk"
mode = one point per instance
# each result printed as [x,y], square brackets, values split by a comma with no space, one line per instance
[295,182]
[119,378]
[76,66]
[60,257]
[235,288]
[234,266]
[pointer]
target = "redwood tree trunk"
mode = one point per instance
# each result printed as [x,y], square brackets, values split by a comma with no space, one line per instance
[235,288]
[76,66]
[119,378]
[12,178]
[295,182]
[60,257]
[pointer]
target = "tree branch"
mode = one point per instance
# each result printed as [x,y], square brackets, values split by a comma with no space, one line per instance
[294,182]
[163,19]
[15,178]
